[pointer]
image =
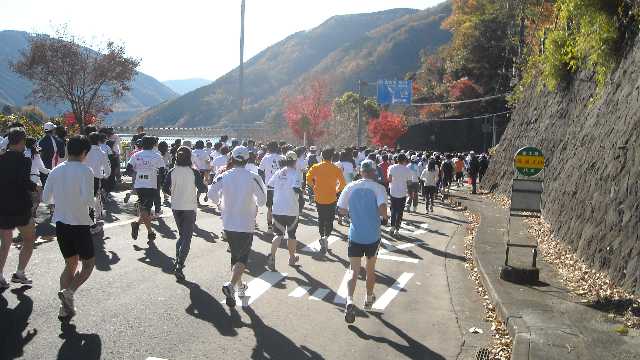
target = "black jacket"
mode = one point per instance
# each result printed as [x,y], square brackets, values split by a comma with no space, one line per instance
[47,152]
[15,184]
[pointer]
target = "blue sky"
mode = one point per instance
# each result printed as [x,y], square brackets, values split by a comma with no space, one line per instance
[187,38]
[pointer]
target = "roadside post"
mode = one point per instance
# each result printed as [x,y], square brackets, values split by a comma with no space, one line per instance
[526,202]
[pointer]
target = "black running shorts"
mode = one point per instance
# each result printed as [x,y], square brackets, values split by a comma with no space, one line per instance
[240,244]
[75,240]
[269,198]
[146,197]
[359,250]
[10,222]
[282,223]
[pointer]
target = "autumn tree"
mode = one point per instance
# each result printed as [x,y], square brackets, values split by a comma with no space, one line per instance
[387,129]
[65,69]
[306,113]
[342,128]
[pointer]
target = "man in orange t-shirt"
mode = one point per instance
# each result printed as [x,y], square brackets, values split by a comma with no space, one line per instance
[327,181]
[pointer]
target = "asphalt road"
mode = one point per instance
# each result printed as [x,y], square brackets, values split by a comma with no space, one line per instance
[133,308]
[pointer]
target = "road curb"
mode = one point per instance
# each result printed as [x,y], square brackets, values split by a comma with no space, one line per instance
[516,325]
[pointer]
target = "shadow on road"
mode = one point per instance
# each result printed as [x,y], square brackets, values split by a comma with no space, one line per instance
[104,259]
[13,323]
[164,230]
[156,258]
[272,344]
[412,350]
[78,345]
[205,307]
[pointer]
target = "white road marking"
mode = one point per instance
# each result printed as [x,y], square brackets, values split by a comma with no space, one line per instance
[392,292]
[424,225]
[319,294]
[155,358]
[392,247]
[343,290]
[300,291]
[398,258]
[259,286]
[315,246]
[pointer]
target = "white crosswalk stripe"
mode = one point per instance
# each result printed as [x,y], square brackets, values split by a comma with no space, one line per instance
[300,291]
[319,294]
[259,286]
[392,292]
[391,247]
[398,258]
[341,296]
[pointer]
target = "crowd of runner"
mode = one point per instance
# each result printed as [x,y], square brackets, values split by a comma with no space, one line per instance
[365,188]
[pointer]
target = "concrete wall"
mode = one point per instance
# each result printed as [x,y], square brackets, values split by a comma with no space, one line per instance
[592,176]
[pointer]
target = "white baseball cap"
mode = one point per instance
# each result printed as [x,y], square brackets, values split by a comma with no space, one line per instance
[240,153]
[49,126]
[291,156]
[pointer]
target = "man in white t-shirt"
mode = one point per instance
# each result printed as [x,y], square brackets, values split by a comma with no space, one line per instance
[286,185]
[220,161]
[269,165]
[200,160]
[399,176]
[147,165]
[241,192]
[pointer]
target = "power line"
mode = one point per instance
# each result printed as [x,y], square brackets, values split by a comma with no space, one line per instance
[463,101]
[469,118]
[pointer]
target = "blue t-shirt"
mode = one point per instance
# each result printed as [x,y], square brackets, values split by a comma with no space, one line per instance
[363,198]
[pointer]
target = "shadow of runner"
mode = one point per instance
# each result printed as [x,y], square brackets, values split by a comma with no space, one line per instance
[412,350]
[14,323]
[272,344]
[204,234]
[77,345]
[164,230]
[205,307]
[104,258]
[156,258]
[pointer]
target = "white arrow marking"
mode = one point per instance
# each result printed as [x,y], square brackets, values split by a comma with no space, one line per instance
[341,296]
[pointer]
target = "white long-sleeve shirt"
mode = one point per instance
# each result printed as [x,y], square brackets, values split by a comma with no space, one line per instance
[70,187]
[98,161]
[242,192]
[37,167]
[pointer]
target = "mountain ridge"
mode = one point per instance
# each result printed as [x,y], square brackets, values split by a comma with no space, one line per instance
[344,48]
[145,92]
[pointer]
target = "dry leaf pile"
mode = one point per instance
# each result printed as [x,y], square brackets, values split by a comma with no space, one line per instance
[500,347]
[578,277]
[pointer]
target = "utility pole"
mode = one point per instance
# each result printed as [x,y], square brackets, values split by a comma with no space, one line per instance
[241,88]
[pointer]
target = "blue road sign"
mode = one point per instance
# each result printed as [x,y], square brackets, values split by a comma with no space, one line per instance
[395,92]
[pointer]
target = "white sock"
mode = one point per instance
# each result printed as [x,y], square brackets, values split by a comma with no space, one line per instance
[349,300]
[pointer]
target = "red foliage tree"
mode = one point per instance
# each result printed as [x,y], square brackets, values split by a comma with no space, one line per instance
[385,130]
[464,89]
[307,112]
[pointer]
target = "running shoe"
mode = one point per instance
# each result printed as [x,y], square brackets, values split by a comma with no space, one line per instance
[135,227]
[271,262]
[242,289]
[21,278]
[206,198]
[66,298]
[229,293]
[4,284]
[350,313]
[369,301]
[151,236]
[62,313]
[293,261]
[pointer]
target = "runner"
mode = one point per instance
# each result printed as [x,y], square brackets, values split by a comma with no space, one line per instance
[327,181]
[99,163]
[37,168]
[286,185]
[430,178]
[70,187]
[365,201]
[147,164]
[200,159]
[399,177]
[413,185]
[312,159]
[269,164]
[242,192]
[459,166]
[474,171]
[16,205]
[184,184]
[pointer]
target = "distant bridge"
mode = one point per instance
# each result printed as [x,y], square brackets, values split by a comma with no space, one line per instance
[256,132]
